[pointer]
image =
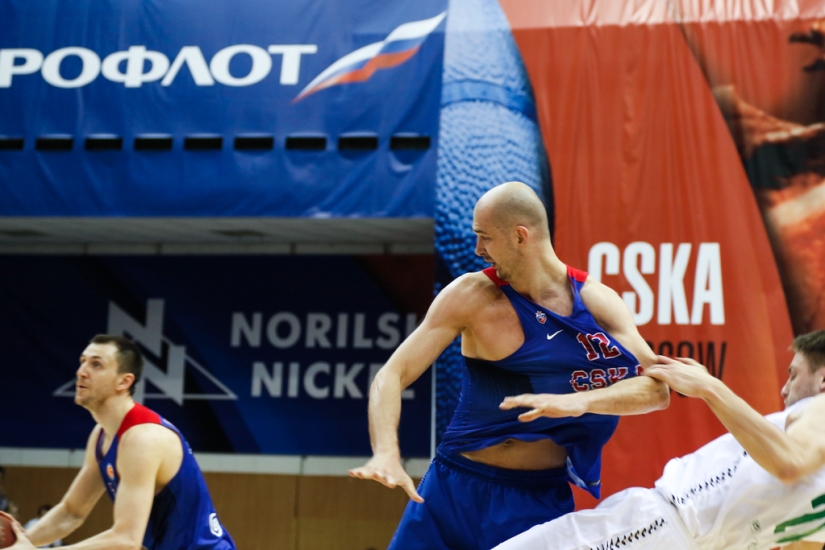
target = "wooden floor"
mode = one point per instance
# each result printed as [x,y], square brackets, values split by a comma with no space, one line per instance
[261,512]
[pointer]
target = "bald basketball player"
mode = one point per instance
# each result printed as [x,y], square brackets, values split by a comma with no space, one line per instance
[142,461]
[529,325]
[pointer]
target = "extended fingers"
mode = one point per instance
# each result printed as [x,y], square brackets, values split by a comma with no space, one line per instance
[524,400]
[369,473]
[529,416]
[18,529]
[408,485]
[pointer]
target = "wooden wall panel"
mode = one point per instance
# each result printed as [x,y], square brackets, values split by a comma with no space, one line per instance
[258,510]
[337,513]
[32,487]
[262,512]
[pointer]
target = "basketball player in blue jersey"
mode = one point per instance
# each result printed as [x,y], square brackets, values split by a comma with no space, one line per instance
[142,461]
[529,325]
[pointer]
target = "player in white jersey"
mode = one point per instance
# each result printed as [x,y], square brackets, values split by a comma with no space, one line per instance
[759,487]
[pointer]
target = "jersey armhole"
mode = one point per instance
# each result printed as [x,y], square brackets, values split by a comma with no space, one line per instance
[138,415]
[577,274]
[99,445]
[491,273]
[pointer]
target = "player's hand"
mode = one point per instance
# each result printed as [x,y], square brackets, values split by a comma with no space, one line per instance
[546,404]
[22,542]
[683,375]
[7,516]
[388,471]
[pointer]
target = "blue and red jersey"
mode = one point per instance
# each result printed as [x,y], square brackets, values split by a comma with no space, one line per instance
[560,354]
[182,517]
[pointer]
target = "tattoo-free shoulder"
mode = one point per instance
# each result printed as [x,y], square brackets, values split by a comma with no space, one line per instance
[475,286]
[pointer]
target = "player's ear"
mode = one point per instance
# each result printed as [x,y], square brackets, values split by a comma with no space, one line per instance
[820,379]
[521,233]
[126,380]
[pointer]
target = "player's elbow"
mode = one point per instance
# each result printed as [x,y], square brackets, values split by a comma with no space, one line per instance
[790,471]
[71,514]
[788,474]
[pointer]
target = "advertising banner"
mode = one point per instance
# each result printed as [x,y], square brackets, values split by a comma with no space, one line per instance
[304,108]
[244,354]
[686,160]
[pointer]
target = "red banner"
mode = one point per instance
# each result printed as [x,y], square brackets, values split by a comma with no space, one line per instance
[688,164]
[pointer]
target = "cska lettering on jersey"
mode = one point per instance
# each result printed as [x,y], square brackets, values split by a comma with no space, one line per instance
[319,379]
[598,346]
[670,303]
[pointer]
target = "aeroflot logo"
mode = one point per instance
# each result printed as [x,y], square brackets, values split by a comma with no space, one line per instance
[399,46]
[138,65]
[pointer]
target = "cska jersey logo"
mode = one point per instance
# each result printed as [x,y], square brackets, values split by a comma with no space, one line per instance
[541,317]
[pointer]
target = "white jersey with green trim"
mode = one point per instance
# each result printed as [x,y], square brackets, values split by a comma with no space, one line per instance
[728,501]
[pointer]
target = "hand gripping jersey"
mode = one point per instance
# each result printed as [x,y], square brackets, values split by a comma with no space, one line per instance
[183,517]
[559,355]
[727,500]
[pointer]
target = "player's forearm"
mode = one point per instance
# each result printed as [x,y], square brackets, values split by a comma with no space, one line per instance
[769,446]
[638,395]
[55,525]
[385,412]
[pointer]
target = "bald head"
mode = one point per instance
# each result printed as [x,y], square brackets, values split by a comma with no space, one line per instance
[512,204]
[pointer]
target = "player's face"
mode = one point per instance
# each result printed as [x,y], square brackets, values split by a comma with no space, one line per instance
[802,382]
[97,375]
[492,244]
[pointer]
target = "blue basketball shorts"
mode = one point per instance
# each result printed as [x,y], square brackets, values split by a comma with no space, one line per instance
[472,506]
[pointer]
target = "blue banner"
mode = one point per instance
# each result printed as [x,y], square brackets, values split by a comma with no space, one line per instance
[220,108]
[243,354]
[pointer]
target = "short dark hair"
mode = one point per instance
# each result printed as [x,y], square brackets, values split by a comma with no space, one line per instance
[812,347]
[129,358]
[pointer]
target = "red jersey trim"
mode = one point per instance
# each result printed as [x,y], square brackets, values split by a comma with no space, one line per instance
[578,274]
[491,272]
[137,415]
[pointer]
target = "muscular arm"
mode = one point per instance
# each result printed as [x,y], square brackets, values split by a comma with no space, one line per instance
[787,455]
[140,455]
[637,395]
[442,325]
[77,503]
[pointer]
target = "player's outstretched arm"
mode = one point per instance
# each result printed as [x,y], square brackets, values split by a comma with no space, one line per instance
[76,505]
[787,455]
[140,455]
[441,325]
[637,395]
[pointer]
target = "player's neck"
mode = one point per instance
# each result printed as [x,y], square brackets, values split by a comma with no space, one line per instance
[543,277]
[110,413]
